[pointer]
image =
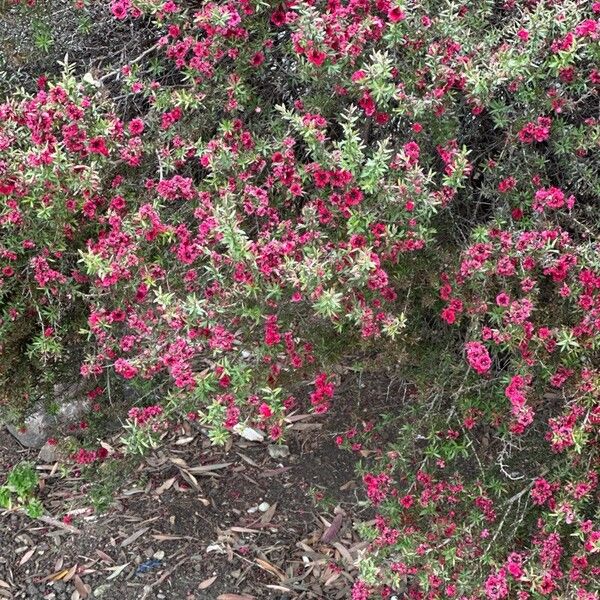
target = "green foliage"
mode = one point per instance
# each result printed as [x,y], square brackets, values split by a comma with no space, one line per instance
[19,490]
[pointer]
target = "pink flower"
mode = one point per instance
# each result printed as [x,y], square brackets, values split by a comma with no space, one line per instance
[97,145]
[395,14]
[496,586]
[541,492]
[136,126]
[377,487]
[125,368]
[272,335]
[478,357]
[265,410]
[502,299]
[119,10]
[449,315]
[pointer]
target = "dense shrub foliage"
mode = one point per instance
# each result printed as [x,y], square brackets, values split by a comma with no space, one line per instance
[287,184]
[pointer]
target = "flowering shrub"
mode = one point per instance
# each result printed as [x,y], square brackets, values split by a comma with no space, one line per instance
[290,182]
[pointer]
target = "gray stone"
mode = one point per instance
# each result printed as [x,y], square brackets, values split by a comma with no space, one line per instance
[35,431]
[49,453]
[40,425]
[278,451]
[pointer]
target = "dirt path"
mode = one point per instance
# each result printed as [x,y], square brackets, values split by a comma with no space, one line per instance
[187,526]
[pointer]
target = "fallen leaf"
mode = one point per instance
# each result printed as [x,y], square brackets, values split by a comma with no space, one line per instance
[70,573]
[330,533]
[56,523]
[278,451]
[344,552]
[4,584]
[116,571]
[189,478]
[274,472]
[207,583]
[165,486]
[107,447]
[184,440]
[243,530]
[105,557]
[205,468]
[268,514]
[247,459]
[80,586]
[134,536]
[348,485]
[26,556]
[294,418]
[58,575]
[267,566]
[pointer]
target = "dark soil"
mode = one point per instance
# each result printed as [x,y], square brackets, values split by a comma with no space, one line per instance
[176,532]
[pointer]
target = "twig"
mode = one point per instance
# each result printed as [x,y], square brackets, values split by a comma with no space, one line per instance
[510,502]
[59,524]
[132,62]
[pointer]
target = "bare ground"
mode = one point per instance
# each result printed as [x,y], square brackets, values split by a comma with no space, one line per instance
[185,525]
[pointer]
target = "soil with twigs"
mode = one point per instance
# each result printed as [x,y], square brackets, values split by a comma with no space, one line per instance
[192,521]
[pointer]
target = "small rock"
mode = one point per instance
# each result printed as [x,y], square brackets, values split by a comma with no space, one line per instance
[35,431]
[49,453]
[40,425]
[278,451]
[248,433]
[72,411]
[252,509]
[264,506]
[101,590]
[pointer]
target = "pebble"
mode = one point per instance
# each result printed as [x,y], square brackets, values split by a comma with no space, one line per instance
[101,590]
[278,451]
[264,506]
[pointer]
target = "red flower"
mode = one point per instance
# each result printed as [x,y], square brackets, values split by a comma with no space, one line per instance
[278,17]
[395,15]
[316,57]
[257,59]
[97,145]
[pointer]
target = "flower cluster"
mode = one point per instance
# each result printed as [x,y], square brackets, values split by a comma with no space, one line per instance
[294,199]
